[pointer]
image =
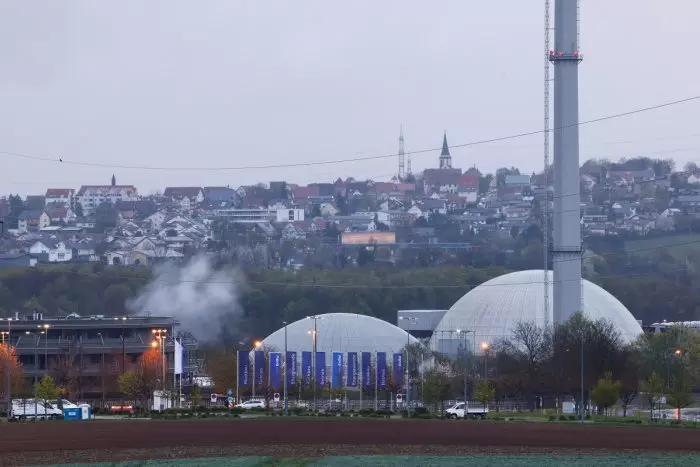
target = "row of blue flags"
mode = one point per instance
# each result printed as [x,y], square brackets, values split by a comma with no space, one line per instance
[359,368]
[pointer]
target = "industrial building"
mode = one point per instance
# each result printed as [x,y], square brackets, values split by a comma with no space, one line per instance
[490,312]
[90,352]
[339,332]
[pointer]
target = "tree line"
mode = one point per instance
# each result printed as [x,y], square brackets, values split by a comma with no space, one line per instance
[271,297]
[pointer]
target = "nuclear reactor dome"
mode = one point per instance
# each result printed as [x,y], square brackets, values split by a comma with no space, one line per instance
[340,332]
[493,309]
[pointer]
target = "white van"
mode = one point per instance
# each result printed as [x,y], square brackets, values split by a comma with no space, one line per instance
[34,408]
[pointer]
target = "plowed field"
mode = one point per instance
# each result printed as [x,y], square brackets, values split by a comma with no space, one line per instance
[56,442]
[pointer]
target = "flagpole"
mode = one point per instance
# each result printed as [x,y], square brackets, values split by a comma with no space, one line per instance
[238,375]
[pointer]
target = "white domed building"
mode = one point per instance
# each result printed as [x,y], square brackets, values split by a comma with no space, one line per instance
[340,332]
[491,311]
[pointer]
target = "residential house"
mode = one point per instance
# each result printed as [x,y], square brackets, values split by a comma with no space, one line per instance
[59,214]
[139,209]
[51,251]
[301,194]
[91,196]
[516,183]
[221,196]
[187,197]
[32,221]
[468,188]
[441,180]
[632,176]
[60,196]
[156,220]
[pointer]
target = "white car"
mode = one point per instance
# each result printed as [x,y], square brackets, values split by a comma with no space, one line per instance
[252,404]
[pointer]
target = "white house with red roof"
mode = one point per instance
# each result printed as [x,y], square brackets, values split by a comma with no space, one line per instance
[62,196]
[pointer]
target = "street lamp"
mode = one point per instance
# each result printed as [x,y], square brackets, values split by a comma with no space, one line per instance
[159,335]
[8,388]
[485,349]
[123,319]
[464,332]
[407,383]
[45,332]
[314,334]
[286,400]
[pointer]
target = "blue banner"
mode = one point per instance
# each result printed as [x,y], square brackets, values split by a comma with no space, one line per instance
[337,370]
[243,368]
[291,368]
[259,365]
[275,370]
[321,368]
[397,370]
[382,370]
[307,375]
[366,369]
[352,370]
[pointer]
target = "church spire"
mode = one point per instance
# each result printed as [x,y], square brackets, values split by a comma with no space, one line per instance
[445,147]
[445,157]
[114,180]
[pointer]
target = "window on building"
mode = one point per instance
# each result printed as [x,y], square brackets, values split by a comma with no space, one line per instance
[291,214]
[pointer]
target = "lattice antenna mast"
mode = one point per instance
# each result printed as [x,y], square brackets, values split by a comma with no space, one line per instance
[545,207]
[402,171]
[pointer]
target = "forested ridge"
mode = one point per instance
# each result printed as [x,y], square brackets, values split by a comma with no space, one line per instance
[270,297]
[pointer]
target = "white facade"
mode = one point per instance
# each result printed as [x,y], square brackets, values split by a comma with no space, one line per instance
[56,254]
[90,197]
[62,196]
[470,195]
[260,214]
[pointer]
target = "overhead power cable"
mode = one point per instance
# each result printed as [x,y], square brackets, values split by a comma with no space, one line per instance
[62,160]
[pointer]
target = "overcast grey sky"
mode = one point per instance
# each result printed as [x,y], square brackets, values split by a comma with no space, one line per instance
[234,83]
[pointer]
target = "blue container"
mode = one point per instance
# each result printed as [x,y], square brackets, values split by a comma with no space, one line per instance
[72,414]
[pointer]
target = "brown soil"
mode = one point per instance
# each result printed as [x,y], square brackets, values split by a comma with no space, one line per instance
[56,442]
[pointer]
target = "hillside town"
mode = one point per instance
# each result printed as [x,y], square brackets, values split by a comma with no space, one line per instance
[284,225]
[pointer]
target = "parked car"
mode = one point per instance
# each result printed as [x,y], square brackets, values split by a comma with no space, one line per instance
[252,404]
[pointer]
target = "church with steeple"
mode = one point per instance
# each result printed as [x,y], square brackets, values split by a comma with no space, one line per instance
[444,179]
[445,157]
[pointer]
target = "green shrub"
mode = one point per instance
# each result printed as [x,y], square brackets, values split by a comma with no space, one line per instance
[552,418]
[421,410]
[572,418]
[562,418]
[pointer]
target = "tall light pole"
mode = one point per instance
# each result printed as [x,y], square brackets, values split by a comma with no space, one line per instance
[485,349]
[45,332]
[314,338]
[407,382]
[159,335]
[286,399]
[464,332]
[256,346]
[582,402]
[8,369]
[123,318]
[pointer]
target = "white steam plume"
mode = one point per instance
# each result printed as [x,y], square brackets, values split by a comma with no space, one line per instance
[201,297]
